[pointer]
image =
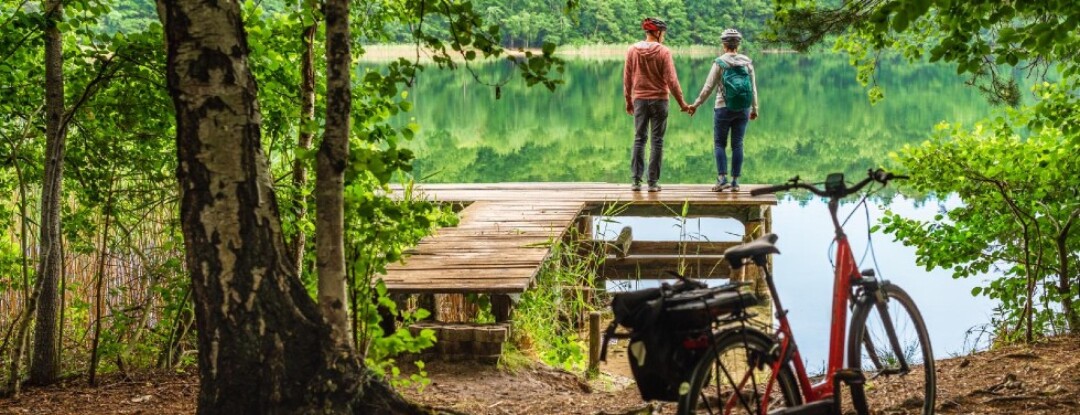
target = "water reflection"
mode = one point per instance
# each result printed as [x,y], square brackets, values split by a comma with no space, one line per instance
[815,119]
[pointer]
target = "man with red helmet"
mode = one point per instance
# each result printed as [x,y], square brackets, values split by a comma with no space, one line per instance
[648,78]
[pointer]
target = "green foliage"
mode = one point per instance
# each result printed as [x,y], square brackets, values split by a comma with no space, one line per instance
[381,348]
[530,24]
[121,159]
[378,229]
[978,37]
[1015,174]
[1020,204]
[549,315]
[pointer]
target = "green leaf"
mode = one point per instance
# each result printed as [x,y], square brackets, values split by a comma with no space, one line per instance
[548,49]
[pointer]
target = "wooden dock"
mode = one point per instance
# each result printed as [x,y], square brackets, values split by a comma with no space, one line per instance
[496,248]
[506,231]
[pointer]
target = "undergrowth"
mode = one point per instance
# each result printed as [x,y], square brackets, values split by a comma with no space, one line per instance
[550,316]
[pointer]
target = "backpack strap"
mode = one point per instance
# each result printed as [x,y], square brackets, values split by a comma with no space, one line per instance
[608,334]
[722,64]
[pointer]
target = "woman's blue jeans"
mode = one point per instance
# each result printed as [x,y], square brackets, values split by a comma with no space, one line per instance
[733,122]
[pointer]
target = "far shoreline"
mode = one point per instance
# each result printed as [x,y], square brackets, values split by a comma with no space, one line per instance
[600,52]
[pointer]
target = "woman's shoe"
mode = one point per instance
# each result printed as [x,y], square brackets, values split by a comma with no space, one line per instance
[720,185]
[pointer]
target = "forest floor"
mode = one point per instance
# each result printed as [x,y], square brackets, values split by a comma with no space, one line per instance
[1039,379]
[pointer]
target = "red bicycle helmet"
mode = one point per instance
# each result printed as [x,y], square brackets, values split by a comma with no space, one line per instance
[652,24]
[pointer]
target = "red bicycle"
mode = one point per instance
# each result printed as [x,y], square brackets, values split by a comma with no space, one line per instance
[748,371]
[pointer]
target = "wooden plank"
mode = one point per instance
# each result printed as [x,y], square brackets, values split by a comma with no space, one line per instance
[497,247]
[587,192]
[422,273]
[670,247]
[654,266]
[473,252]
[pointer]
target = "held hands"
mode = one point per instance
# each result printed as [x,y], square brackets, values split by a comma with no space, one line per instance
[688,109]
[630,108]
[753,114]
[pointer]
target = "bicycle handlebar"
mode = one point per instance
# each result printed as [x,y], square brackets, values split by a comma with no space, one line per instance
[879,175]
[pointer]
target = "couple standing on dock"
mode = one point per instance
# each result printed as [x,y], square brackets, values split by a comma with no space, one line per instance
[649,76]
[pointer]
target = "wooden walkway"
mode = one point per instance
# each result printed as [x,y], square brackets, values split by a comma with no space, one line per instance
[505,231]
[497,248]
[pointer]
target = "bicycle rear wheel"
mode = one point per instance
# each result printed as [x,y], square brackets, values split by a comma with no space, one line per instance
[871,349]
[732,377]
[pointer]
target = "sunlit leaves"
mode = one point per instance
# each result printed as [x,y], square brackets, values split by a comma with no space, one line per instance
[1017,178]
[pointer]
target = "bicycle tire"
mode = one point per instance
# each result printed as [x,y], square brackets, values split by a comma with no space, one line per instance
[869,349]
[733,350]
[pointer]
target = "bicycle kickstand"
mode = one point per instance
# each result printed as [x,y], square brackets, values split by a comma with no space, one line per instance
[855,380]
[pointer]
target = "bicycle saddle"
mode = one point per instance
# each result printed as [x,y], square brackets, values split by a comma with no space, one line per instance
[756,250]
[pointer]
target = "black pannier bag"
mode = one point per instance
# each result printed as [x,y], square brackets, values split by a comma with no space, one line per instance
[669,328]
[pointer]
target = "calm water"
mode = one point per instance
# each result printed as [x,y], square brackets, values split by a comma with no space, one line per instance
[815,119]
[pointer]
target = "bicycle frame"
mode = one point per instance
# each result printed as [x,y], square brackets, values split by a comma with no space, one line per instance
[846,275]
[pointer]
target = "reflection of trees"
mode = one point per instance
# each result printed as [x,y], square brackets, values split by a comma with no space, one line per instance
[815,119]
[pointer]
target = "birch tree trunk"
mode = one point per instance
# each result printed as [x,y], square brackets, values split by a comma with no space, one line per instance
[264,346]
[307,117]
[330,171]
[43,366]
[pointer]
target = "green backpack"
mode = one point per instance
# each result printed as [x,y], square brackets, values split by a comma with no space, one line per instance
[738,90]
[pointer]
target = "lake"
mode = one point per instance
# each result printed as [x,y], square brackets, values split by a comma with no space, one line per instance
[815,119]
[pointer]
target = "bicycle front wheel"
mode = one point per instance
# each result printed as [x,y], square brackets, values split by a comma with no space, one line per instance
[881,332]
[732,377]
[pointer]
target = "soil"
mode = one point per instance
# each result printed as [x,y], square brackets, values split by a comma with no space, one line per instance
[1043,378]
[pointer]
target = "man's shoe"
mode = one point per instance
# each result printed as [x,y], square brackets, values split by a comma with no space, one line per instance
[636,187]
[720,185]
[654,188]
[734,186]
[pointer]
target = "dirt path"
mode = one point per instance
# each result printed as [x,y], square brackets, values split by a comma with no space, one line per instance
[1041,379]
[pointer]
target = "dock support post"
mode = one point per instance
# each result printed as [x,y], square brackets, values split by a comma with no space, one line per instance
[594,342]
[500,307]
[427,302]
[388,320]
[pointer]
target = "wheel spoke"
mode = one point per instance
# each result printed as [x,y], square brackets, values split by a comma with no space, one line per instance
[733,377]
[889,343]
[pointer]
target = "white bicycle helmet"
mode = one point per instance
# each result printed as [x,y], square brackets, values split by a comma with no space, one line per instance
[731,36]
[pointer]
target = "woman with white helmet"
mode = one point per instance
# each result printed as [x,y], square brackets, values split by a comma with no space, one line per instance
[736,104]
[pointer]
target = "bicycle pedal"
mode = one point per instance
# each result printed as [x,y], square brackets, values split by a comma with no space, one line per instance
[850,376]
[822,407]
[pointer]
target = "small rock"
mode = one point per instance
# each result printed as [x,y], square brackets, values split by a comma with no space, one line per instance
[964,363]
[1053,390]
[948,405]
[912,402]
[141,399]
[1011,382]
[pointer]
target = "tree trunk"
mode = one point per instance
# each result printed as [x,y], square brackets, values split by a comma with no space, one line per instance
[264,346]
[43,367]
[1064,275]
[99,290]
[307,118]
[330,171]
